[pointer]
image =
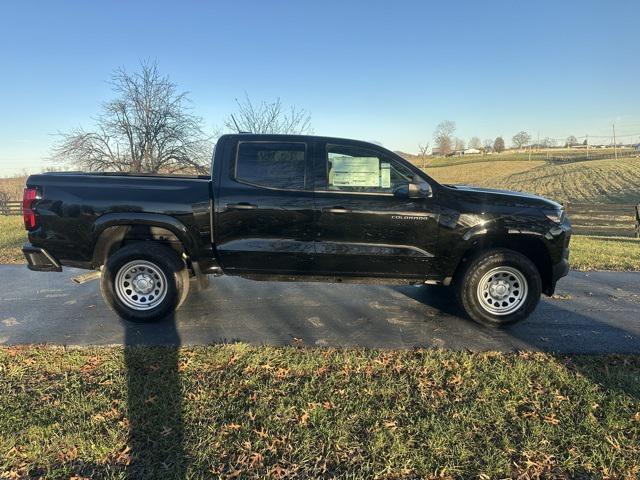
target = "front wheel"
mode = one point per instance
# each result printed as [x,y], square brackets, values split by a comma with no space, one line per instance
[499,287]
[144,282]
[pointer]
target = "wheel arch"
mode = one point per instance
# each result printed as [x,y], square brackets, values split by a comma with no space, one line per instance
[532,247]
[112,231]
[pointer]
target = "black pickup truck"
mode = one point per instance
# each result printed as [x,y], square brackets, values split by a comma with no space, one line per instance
[305,208]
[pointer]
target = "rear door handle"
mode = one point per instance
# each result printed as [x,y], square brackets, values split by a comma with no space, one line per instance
[241,206]
[335,210]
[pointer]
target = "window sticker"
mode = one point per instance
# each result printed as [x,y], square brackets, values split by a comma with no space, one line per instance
[385,175]
[354,171]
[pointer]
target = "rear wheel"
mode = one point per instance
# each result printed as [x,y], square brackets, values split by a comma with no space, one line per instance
[144,282]
[499,287]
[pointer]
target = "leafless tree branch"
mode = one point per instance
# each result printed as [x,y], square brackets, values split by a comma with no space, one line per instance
[268,117]
[148,127]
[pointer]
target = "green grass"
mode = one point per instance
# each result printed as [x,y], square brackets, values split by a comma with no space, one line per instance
[251,412]
[12,237]
[605,253]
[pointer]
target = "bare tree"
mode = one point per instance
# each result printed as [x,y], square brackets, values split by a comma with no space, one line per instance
[521,139]
[498,145]
[266,117]
[487,144]
[458,144]
[571,141]
[443,136]
[475,143]
[424,152]
[547,142]
[148,127]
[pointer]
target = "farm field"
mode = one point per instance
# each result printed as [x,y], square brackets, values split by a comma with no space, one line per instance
[597,181]
[510,156]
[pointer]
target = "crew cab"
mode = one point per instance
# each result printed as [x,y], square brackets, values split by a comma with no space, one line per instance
[296,208]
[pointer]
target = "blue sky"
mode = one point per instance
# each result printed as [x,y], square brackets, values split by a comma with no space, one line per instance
[381,71]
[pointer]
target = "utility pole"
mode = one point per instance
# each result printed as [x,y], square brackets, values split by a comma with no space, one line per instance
[615,145]
[587,139]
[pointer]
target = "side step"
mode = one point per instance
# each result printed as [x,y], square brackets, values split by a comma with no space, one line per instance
[86,277]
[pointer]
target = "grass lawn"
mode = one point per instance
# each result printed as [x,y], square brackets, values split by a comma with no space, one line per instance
[587,253]
[605,253]
[12,237]
[239,411]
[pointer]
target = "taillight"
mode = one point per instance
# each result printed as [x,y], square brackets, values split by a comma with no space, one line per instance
[28,215]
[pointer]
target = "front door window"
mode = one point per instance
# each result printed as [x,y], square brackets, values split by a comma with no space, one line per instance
[356,169]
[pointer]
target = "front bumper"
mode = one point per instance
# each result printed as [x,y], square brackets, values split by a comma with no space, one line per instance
[559,270]
[39,260]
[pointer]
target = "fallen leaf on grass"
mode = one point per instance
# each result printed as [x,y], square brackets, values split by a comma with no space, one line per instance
[68,454]
[262,433]
[231,426]
[391,425]
[304,419]
[90,365]
[256,459]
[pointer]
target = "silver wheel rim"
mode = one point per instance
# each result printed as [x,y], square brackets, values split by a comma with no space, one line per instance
[502,290]
[141,285]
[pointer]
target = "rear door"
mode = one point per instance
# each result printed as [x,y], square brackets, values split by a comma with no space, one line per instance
[363,228]
[265,209]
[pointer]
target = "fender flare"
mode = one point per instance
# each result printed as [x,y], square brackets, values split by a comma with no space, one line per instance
[124,219]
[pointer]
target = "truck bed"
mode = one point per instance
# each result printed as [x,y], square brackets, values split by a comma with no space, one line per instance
[75,206]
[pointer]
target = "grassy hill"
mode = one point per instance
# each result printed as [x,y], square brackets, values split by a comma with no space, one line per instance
[598,181]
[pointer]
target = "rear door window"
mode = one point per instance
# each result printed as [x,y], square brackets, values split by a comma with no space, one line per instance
[272,165]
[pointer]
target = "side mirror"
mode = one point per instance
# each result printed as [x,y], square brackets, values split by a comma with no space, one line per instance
[414,190]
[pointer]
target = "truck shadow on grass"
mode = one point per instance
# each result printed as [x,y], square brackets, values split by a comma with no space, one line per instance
[154,404]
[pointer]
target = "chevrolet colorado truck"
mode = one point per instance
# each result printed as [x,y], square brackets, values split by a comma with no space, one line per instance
[296,208]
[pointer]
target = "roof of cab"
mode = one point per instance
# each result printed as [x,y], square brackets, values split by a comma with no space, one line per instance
[257,137]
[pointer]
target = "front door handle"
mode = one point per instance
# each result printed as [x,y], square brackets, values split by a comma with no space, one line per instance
[335,210]
[241,206]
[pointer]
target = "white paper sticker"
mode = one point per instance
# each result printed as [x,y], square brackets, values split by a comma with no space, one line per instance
[354,171]
[385,175]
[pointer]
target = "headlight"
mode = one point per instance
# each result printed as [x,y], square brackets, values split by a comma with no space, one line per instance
[556,215]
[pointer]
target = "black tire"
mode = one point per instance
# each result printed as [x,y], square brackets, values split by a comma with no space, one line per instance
[516,301]
[174,275]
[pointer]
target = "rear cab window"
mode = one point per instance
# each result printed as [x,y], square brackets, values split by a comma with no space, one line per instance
[275,165]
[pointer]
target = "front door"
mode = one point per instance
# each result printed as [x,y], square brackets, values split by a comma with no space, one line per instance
[363,228]
[265,210]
